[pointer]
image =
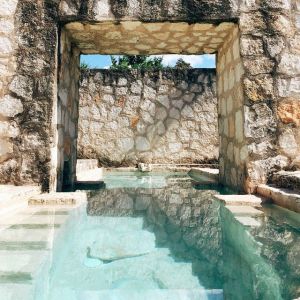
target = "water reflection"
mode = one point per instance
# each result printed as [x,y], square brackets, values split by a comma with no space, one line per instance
[199,230]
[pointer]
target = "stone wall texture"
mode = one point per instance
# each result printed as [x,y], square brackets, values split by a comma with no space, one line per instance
[167,116]
[30,57]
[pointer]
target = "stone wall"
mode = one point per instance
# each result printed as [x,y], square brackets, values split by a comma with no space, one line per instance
[29,44]
[233,151]
[165,116]
[28,52]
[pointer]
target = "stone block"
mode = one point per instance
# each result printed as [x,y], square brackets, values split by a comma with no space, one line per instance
[289,111]
[142,144]
[6,26]
[10,106]
[8,129]
[8,7]
[251,46]
[288,144]
[259,65]
[289,87]
[6,147]
[259,88]
[252,23]
[289,64]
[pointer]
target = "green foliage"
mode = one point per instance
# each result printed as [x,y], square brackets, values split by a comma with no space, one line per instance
[84,66]
[139,62]
[182,65]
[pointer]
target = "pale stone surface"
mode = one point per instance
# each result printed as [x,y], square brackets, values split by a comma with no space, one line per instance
[8,7]
[134,37]
[240,200]
[142,144]
[10,106]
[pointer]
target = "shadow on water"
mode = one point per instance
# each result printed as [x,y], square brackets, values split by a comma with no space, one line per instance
[197,229]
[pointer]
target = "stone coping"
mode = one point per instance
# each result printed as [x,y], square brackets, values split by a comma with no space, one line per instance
[283,197]
[91,175]
[240,200]
[209,174]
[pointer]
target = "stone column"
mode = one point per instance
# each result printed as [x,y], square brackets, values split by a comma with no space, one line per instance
[233,149]
[28,43]
[65,121]
[271,59]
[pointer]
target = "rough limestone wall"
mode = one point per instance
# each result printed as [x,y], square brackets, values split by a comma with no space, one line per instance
[233,151]
[269,45]
[155,117]
[9,106]
[28,41]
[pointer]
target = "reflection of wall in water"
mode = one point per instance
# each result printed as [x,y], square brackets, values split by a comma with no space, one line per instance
[183,219]
[200,230]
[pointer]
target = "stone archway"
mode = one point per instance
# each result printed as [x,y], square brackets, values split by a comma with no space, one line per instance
[268,41]
[135,37]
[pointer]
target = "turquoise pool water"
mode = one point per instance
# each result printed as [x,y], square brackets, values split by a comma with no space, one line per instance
[162,236]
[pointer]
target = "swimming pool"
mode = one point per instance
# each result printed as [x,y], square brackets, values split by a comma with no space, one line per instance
[163,236]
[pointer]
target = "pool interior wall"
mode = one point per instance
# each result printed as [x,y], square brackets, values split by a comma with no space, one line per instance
[163,236]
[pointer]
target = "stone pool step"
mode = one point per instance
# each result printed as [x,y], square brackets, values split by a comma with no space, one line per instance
[283,197]
[13,199]
[35,220]
[135,294]
[240,200]
[23,235]
[243,211]
[14,291]
[20,266]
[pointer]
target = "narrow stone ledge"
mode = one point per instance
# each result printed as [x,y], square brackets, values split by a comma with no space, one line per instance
[240,200]
[207,174]
[282,197]
[73,198]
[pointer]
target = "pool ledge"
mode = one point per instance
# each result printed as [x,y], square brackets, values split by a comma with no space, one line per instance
[283,197]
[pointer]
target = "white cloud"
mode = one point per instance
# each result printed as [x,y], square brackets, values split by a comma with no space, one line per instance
[195,60]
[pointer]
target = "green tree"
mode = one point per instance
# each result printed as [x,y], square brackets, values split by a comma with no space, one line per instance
[182,65]
[84,66]
[140,62]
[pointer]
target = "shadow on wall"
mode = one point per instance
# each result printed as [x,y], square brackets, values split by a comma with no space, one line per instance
[167,116]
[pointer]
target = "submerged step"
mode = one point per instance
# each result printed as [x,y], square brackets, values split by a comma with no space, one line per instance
[20,266]
[115,223]
[16,291]
[22,235]
[240,210]
[136,294]
[15,245]
[70,198]
[245,200]
[36,220]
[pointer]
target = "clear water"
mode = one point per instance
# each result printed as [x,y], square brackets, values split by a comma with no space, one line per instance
[162,236]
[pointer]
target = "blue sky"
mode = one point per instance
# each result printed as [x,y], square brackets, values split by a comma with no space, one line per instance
[197,61]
